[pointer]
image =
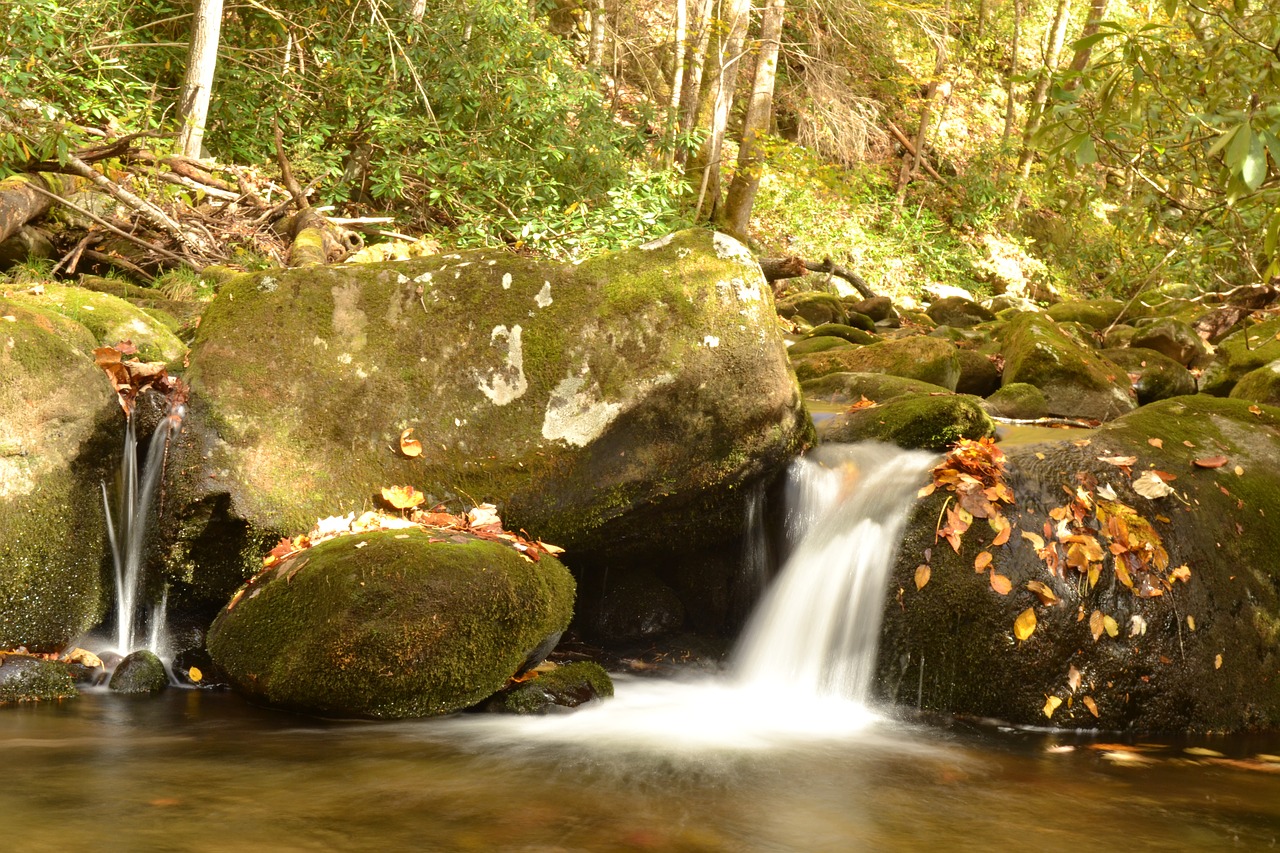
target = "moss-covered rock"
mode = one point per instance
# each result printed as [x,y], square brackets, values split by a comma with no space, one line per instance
[1154,376]
[817,344]
[878,308]
[958,312]
[109,319]
[1172,338]
[29,679]
[1259,386]
[814,308]
[854,334]
[845,388]
[59,423]
[1239,353]
[1094,313]
[139,672]
[1018,401]
[1202,656]
[914,422]
[979,374]
[614,408]
[1076,381]
[391,624]
[919,357]
[566,686]
[1118,337]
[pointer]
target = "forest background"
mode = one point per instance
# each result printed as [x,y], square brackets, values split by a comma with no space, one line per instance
[1088,148]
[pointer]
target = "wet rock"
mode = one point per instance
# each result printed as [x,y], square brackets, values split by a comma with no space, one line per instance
[1171,337]
[1259,386]
[30,679]
[850,387]
[1096,314]
[390,624]
[629,604]
[1238,353]
[195,668]
[1076,381]
[139,672]
[1018,401]
[917,357]
[1154,375]
[566,686]
[914,422]
[959,312]
[1201,656]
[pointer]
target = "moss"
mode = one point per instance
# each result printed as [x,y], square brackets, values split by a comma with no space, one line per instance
[958,312]
[26,679]
[1094,313]
[110,320]
[851,387]
[391,624]
[917,357]
[1018,400]
[1155,376]
[1076,381]
[1237,354]
[814,344]
[566,686]
[917,422]
[1259,386]
[854,334]
[140,672]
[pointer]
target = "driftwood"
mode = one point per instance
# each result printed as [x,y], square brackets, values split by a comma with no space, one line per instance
[778,269]
[911,149]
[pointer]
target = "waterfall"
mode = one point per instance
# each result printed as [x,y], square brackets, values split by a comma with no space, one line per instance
[127,530]
[816,631]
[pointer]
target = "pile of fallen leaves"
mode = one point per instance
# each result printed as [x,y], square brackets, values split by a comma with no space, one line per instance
[130,378]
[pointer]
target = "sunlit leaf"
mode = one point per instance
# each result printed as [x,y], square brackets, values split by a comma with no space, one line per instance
[1073,678]
[1119,461]
[1025,625]
[1036,541]
[1111,626]
[1156,442]
[923,572]
[1096,624]
[981,562]
[1051,704]
[402,497]
[1238,471]
[1043,592]
[1191,622]
[410,447]
[1091,705]
[1000,583]
[195,674]
[1217,662]
[1182,573]
[1150,486]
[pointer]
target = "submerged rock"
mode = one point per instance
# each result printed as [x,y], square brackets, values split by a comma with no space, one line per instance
[1193,645]
[566,686]
[139,672]
[405,623]
[29,679]
[614,408]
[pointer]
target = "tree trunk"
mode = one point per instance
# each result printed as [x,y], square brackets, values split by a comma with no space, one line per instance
[420,8]
[677,82]
[19,203]
[746,180]
[696,63]
[911,162]
[595,49]
[1010,100]
[706,165]
[1097,11]
[1035,113]
[202,61]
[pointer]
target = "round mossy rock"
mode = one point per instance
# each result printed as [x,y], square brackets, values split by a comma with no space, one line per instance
[1155,376]
[927,359]
[915,422]
[392,624]
[812,344]
[29,679]
[1076,381]
[854,334]
[849,387]
[979,374]
[1239,353]
[110,320]
[1172,338]
[958,312]
[1018,401]
[139,672]
[1094,313]
[814,308]
[566,686]
[1259,386]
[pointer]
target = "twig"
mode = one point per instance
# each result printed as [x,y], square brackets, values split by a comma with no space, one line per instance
[911,149]
[196,186]
[286,173]
[73,257]
[113,260]
[146,208]
[113,229]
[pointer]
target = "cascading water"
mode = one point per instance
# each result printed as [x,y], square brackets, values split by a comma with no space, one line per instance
[127,530]
[817,629]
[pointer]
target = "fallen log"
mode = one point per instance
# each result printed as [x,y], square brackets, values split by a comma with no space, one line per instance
[25,197]
[777,269]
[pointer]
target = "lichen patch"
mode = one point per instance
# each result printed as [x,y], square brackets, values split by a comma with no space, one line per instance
[544,295]
[729,249]
[577,412]
[508,382]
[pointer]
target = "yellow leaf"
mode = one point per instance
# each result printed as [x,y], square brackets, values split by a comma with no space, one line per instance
[1091,705]
[1217,662]
[1096,625]
[402,497]
[1094,571]
[1035,540]
[1043,592]
[410,446]
[1239,471]
[1025,625]
[1000,583]
[981,562]
[1191,622]
[1112,628]
[923,573]
[1182,573]
[1154,442]
[1051,704]
[195,674]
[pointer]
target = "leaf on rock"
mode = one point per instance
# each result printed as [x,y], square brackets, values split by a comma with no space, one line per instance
[1036,541]
[402,497]
[1025,625]
[1111,626]
[923,572]
[1003,529]
[981,562]
[1073,678]
[1209,461]
[1096,625]
[1091,705]
[1051,704]
[195,674]
[1255,410]
[1043,592]
[1150,486]
[1182,573]
[1191,622]
[1217,662]
[409,446]
[1000,583]
[1154,442]
[1119,461]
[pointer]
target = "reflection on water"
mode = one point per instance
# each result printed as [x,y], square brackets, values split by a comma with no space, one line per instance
[200,771]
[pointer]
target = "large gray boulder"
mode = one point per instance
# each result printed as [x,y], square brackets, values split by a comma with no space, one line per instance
[614,408]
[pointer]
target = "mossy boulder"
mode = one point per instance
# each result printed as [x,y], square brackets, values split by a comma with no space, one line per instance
[1154,375]
[60,430]
[979,374]
[109,319]
[401,623]
[879,308]
[854,334]
[817,344]
[1194,654]
[1018,401]
[850,387]
[1094,313]
[566,686]
[613,408]
[814,308]
[1259,386]
[1076,381]
[139,672]
[958,312]
[30,679]
[1238,353]
[918,357]
[1171,337]
[915,422]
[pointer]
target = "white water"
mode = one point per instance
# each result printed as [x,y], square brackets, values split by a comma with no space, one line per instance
[802,669]
[127,530]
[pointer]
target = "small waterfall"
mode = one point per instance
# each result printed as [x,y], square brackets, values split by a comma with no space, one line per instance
[816,631]
[127,531]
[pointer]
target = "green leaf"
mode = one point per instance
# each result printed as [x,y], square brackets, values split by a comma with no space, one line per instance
[1272,239]
[1089,41]
[1273,145]
[1223,141]
[1254,168]
[1241,142]
[1086,153]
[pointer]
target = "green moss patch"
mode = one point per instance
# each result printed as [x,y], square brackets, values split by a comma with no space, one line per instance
[915,422]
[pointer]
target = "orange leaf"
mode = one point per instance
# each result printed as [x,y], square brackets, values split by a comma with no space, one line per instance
[1209,462]
[1043,592]
[982,561]
[402,497]
[1096,626]
[1154,442]
[1025,625]
[410,447]
[923,572]
[1091,705]
[1000,583]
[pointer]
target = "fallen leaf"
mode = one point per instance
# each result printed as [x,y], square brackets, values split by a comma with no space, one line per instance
[1025,625]
[1217,662]
[1107,493]
[1096,625]
[1084,442]
[1119,461]
[1035,540]
[195,674]
[981,562]
[923,573]
[1000,583]
[1209,462]
[1073,678]
[1043,592]
[1182,573]
[1111,626]
[1239,471]
[1155,442]
[925,491]
[410,447]
[1203,752]
[1191,622]
[402,497]
[1051,704]
[1150,486]
[1091,705]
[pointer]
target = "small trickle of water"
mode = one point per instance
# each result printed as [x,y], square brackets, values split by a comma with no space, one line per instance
[127,530]
[816,631]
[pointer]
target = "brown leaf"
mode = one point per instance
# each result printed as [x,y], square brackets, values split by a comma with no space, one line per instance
[1025,625]
[1119,461]
[1091,705]
[402,497]
[1043,592]
[1255,410]
[1000,583]
[1209,462]
[1150,486]
[410,447]
[981,562]
[1073,678]
[923,572]
[1096,626]
[1182,573]
[1155,442]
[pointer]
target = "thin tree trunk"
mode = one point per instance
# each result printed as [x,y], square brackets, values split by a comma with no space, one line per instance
[696,63]
[677,81]
[420,8]
[1097,11]
[911,162]
[1010,100]
[746,180]
[1035,113]
[595,50]
[202,61]
[728,59]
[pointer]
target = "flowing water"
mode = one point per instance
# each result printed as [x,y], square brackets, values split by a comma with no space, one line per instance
[777,754]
